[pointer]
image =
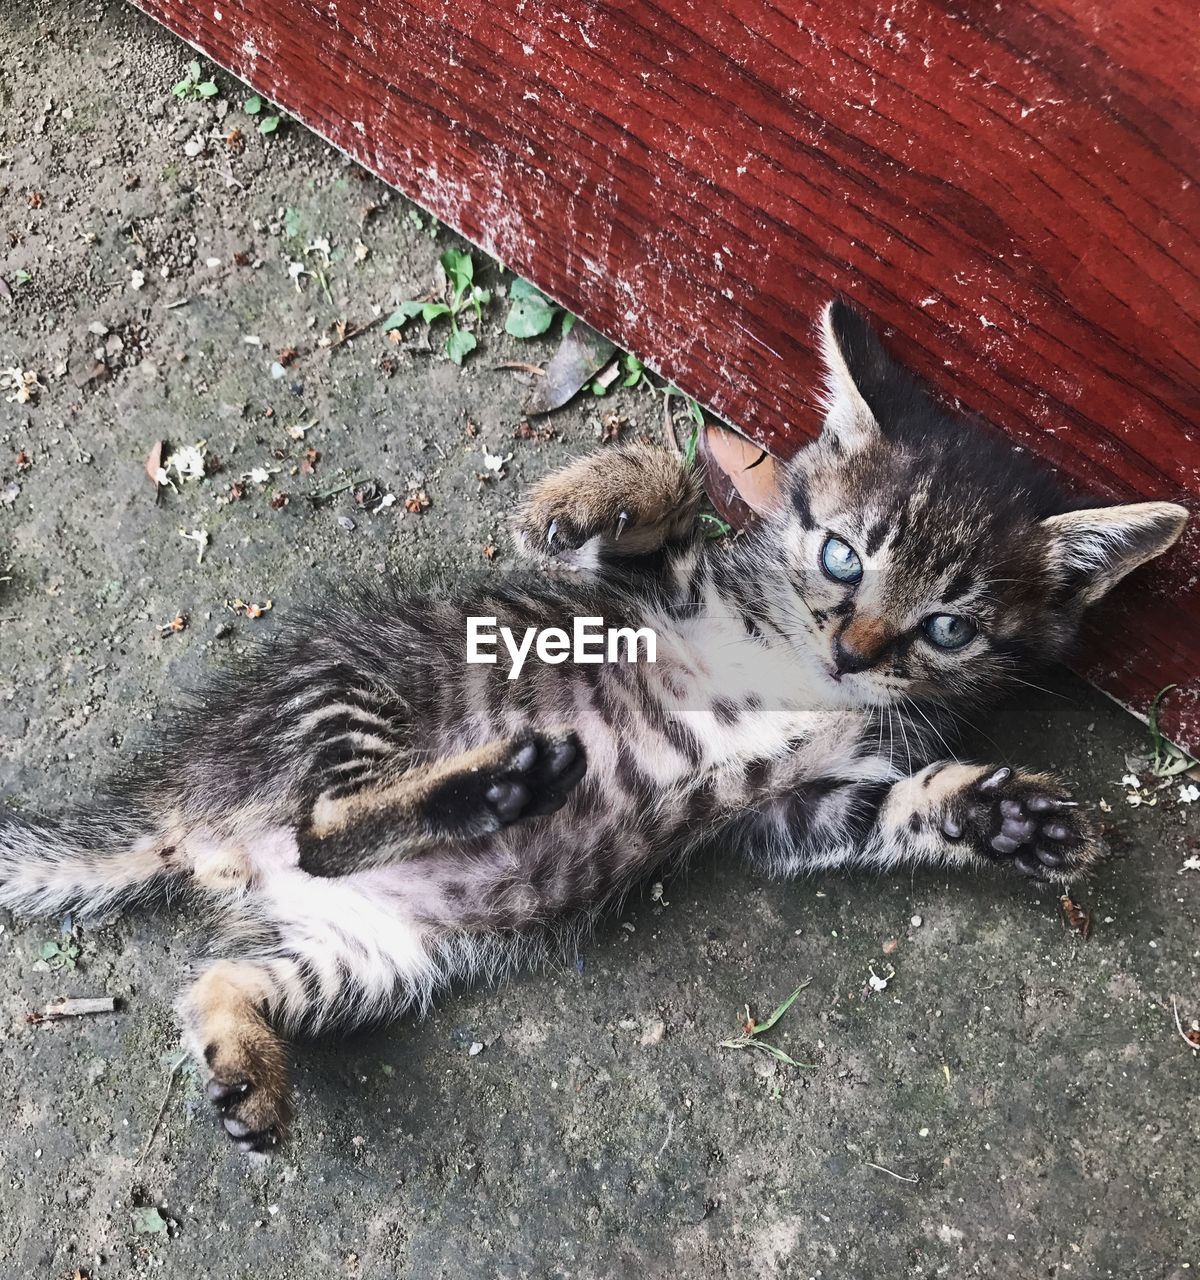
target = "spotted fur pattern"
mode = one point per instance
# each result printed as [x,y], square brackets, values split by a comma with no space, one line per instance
[370,816]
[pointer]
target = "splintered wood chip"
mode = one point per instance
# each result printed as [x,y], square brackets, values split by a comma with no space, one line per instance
[741,478]
[579,358]
[75,1007]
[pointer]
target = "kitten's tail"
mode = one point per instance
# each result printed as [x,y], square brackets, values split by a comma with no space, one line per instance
[87,862]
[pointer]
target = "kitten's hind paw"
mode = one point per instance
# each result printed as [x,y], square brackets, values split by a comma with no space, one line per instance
[252,1116]
[1024,821]
[533,775]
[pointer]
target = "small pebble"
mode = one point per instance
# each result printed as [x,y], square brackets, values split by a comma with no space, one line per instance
[476,1049]
[916,922]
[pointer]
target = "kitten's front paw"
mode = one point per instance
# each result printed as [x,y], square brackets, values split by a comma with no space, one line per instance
[625,501]
[554,526]
[1025,821]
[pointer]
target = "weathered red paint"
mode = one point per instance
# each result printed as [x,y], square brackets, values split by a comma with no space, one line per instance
[1009,187]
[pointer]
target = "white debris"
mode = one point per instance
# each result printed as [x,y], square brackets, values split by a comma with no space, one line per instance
[200,538]
[877,982]
[259,475]
[137,279]
[23,383]
[493,461]
[1191,864]
[916,922]
[1131,780]
[187,463]
[1189,793]
[476,1049]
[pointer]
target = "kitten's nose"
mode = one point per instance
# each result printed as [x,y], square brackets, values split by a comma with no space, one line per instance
[847,658]
[860,644]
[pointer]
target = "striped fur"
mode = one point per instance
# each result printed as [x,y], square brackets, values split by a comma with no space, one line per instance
[371,817]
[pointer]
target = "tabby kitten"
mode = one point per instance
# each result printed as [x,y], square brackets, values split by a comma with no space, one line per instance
[371,816]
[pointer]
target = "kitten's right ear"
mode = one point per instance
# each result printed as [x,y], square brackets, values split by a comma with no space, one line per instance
[856,365]
[1094,549]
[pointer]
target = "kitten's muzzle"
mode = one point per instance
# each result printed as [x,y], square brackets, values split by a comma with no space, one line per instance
[859,646]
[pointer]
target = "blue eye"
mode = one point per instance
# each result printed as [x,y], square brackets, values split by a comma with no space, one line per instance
[840,561]
[948,631]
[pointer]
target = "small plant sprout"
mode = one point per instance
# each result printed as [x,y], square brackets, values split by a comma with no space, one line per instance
[268,120]
[459,292]
[529,313]
[753,1031]
[1168,761]
[191,88]
[62,954]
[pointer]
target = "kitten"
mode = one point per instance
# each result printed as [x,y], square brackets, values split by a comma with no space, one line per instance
[371,816]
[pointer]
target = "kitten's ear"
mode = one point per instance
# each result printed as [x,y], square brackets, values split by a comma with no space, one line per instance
[1095,549]
[856,365]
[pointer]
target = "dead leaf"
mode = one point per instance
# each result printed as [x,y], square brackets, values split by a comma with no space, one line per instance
[742,479]
[489,550]
[154,463]
[1076,917]
[579,358]
[24,461]
[279,501]
[178,623]
[417,502]
[36,200]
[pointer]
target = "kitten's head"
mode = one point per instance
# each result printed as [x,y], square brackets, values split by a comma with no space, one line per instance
[935,559]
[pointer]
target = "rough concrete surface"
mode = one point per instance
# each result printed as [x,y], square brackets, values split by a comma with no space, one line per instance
[1015,1103]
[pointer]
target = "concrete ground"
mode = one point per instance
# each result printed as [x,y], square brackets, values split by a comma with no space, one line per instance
[1015,1103]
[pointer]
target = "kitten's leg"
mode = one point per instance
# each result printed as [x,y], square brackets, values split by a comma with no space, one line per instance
[985,816]
[618,502]
[224,1017]
[470,795]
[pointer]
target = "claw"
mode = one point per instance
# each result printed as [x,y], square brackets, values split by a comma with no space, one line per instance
[997,780]
[551,533]
[952,828]
[622,521]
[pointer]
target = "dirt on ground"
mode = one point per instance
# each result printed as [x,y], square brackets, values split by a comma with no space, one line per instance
[1006,1099]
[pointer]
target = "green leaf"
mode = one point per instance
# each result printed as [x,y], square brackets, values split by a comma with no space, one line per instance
[568,323]
[760,1027]
[479,299]
[268,124]
[697,414]
[634,370]
[253,105]
[779,1054]
[689,454]
[207,90]
[48,950]
[181,89]
[715,526]
[460,271]
[148,1221]
[402,315]
[460,344]
[431,311]
[522,289]
[193,72]
[529,316]
[598,388]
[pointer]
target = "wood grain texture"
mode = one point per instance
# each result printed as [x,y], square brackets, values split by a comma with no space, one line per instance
[1008,189]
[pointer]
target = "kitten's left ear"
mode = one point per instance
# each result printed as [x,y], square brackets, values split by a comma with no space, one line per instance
[1095,549]
[860,376]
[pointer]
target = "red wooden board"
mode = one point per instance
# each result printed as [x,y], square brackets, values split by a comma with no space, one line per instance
[1008,188]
